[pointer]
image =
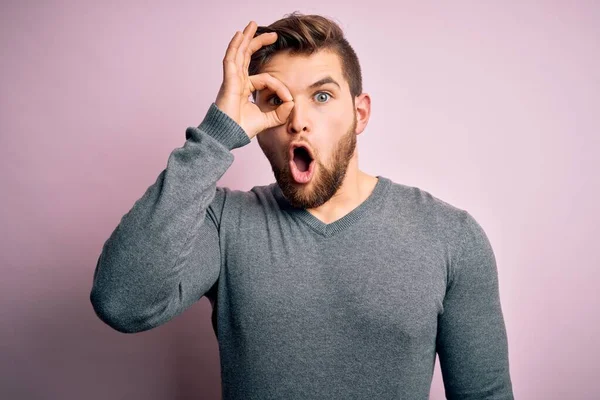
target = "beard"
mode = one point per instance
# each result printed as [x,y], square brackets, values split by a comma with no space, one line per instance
[325,181]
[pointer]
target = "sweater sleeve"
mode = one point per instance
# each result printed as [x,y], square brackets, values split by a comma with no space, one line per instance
[164,254]
[471,337]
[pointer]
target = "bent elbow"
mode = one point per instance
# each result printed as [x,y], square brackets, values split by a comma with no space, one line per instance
[117,315]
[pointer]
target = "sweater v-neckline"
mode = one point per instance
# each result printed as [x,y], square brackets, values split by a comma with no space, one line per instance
[330,229]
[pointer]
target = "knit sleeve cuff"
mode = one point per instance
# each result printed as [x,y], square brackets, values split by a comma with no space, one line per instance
[221,127]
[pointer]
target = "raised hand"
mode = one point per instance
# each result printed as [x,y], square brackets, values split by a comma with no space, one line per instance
[233,98]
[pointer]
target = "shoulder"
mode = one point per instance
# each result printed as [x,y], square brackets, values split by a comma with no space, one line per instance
[465,243]
[415,202]
[435,217]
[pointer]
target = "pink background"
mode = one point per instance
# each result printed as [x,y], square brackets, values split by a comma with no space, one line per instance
[493,108]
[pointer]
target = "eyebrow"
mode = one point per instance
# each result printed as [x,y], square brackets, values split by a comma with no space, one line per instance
[324,81]
[321,82]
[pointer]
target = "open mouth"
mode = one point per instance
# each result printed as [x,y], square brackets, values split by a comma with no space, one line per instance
[302,158]
[301,163]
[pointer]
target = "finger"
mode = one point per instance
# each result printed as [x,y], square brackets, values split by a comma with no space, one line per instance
[248,35]
[233,46]
[265,80]
[279,115]
[259,41]
[229,66]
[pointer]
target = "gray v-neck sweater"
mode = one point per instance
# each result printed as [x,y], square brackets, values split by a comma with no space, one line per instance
[353,309]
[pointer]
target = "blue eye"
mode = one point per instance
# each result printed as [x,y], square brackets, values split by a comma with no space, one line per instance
[323,93]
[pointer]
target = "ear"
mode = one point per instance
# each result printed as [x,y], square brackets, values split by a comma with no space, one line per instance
[362,105]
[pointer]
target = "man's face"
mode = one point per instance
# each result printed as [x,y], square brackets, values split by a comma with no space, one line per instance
[323,119]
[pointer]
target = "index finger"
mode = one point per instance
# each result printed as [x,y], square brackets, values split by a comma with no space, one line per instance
[267,81]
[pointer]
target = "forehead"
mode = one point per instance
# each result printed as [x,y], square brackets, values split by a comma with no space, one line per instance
[298,72]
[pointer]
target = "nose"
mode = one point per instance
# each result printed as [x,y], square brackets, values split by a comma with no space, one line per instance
[298,120]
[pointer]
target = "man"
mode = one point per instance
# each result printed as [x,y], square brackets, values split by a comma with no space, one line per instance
[329,283]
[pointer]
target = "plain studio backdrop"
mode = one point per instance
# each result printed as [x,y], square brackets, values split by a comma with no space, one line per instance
[493,107]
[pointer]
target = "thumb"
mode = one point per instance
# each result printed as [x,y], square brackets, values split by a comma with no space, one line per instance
[279,115]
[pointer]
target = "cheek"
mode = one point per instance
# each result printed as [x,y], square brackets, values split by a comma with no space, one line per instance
[335,120]
[267,138]
[271,147]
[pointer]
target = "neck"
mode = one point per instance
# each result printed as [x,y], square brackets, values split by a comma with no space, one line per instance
[356,188]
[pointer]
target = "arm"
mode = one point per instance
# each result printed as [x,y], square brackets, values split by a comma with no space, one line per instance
[471,338]
[164,255]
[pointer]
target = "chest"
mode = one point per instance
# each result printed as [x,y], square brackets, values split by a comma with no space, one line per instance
[387,281]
